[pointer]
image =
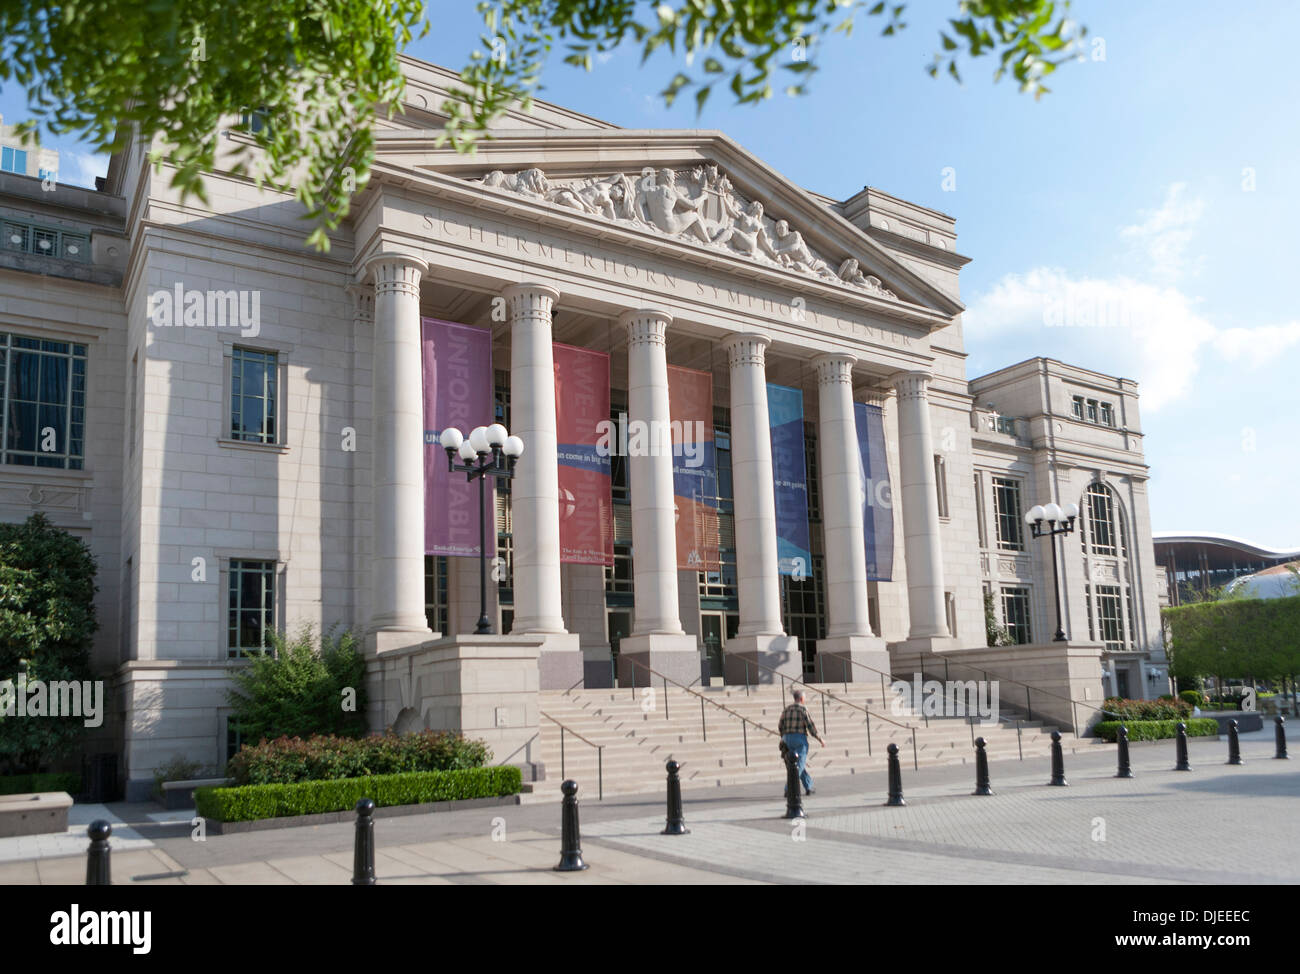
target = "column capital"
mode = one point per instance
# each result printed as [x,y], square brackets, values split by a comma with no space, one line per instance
[912,385]
[363,303]
[395,272]
[530,299]
[835,367]
[646,326]
[746,348]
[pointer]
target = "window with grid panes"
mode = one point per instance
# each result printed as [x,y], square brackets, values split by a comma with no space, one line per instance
[1015,613]
[720,588]
[1008,514]
[435,592]
[251,609]
[1110,623]
[44,394]
[254,395]
[805,610]
[43,241]
[1100,507]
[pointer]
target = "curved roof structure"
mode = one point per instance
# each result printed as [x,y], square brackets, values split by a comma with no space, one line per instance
[1248,548]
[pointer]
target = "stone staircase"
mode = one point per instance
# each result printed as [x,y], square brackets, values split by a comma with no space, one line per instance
[639,732]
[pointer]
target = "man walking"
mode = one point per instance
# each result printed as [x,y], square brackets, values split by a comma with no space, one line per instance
[796,727]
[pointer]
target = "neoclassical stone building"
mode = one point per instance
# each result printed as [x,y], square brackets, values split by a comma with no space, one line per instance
[245,446]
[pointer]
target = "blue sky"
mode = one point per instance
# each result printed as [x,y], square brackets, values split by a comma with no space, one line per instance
[1127,189]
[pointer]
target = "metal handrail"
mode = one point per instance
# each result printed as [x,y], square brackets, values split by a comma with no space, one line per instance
[600,754]
[703,699]
[848,703]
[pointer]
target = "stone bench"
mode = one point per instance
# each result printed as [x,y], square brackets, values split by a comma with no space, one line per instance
[34,814]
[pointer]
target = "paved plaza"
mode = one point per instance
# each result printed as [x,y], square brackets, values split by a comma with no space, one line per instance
[1215,824]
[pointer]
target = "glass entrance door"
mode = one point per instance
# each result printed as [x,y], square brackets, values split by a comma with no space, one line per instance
[712,628]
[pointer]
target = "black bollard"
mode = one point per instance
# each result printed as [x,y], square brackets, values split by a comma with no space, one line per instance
[1125,771]
[570,840]
[793,787]
[363,846]
[98,869]
[981,769]
[1234,744]
[676,820]
[1181,749]
[1058,761]
[1279,735]
[895,778]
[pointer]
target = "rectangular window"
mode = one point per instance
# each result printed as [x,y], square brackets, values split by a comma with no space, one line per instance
[1076,406]
[619,489]
[13,160]
[43,385]
[28,238]
[1110,623]
[251,617]
[805,613]
[1101,519]
[1007,425]
[1107,414]
[435,592]
[1092,410]
[1015,613]
[941,484]
[1006,507]
[254,395]
[618,577]
[811,471]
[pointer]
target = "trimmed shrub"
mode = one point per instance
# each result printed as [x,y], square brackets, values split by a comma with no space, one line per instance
[1156,730]
[249,802]
[290,759]
[24,784]
[1194,698]
[1147,709]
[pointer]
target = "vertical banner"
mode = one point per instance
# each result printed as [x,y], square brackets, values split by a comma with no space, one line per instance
[586,490]
[458,391]
[877,496]
[695,470]
[790,480]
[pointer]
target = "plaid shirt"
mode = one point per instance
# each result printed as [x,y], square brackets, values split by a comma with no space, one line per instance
[795,720]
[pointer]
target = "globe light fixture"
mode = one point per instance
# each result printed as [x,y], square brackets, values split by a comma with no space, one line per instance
[489,451]
[1059,521]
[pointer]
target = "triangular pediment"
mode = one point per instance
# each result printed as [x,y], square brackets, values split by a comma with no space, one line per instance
[696,188]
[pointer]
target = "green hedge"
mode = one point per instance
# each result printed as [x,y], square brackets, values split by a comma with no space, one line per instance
[1155,730]
[1234,638]
[245,803]
[23,784]
[287,760]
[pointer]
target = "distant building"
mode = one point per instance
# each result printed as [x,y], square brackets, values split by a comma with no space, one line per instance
[1196,563]
[25,159]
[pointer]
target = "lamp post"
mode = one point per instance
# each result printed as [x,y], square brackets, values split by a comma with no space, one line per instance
[1059,521]
[490,451]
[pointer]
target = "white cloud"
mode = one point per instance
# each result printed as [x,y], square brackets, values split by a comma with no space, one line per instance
[1257,347]
[81,168]
[1163,235]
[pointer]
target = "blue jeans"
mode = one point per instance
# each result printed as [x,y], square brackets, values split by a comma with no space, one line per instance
[798,743]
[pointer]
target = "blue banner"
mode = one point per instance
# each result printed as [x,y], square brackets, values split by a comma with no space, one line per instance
[790,480]
[877,496]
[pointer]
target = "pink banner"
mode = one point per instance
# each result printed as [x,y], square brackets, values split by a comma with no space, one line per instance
[458,391]
[695,472]
[581,414]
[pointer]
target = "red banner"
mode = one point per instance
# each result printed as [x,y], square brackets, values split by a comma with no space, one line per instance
[695,471]
[581,417]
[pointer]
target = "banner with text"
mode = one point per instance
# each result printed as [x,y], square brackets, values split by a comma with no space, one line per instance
[877,496]
[790,480]
[695,470]
[458,391]
[586,493]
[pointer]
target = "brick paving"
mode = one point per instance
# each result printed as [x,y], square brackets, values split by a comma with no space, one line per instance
[1214,824]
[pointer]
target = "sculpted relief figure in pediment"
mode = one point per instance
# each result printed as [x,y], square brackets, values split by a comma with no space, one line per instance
[698,205]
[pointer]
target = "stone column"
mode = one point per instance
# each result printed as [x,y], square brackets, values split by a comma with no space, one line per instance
[535,493]
[761,637]
[397,491]
[921,544]
[657,639]
[848,629]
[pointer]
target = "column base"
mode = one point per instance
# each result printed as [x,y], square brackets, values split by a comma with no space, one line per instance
[388,638]
[559,661]
[674,656]
[779,653]
[855,659]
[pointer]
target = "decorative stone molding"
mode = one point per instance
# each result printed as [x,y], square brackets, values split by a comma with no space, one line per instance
[531,301]
[363,304]
[697,205]
[747,349]
[832,369]
[646,326]
[912,385]
[22,494]
[397,273]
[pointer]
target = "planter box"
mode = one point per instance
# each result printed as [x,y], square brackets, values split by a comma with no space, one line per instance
[34,814]
[180,794]
[1246,721]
